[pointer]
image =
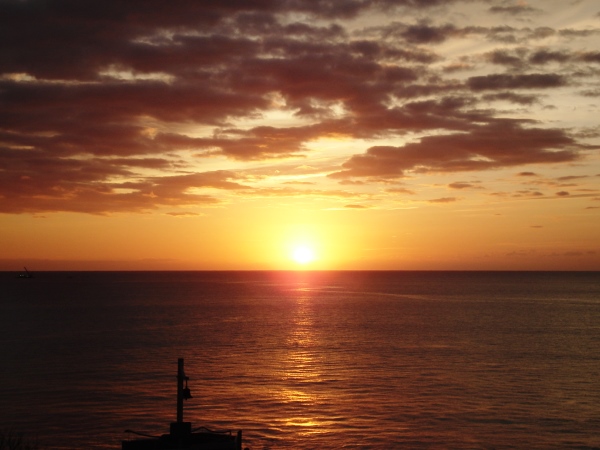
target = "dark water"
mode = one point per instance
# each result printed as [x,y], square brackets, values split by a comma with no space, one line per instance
[369,360]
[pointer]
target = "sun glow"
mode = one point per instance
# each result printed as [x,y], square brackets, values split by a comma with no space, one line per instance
[303,254]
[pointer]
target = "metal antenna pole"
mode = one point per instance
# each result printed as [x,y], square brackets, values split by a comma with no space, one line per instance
[180,380]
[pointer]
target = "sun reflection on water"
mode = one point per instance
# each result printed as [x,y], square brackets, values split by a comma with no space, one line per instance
[302,363]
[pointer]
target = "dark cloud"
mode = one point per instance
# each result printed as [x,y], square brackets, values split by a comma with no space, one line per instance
[505,57]
[506,34]
[512,97]
[500,144]
[522,57]
[542,33]
[508,81]
[570,33]
[515,9]
[85,186]
[427,34]
[591,57]
[257,143]
[545,56]
[421,33]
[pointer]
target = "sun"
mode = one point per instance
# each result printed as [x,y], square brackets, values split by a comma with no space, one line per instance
[303,254]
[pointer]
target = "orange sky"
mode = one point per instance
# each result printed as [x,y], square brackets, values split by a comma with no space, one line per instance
[399,134]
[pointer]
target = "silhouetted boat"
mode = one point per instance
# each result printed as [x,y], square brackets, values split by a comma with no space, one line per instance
[26,274]
[181,435]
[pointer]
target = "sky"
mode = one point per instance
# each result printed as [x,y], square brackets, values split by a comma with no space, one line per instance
[300,134]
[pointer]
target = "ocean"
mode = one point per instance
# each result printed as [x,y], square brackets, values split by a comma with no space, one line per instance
[305,360]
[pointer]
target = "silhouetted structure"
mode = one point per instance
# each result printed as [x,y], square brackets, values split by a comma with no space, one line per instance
[26,274]
[181,435]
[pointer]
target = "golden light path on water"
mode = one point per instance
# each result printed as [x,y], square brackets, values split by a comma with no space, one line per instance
[303,365]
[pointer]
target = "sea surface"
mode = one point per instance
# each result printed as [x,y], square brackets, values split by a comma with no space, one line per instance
[305,360]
